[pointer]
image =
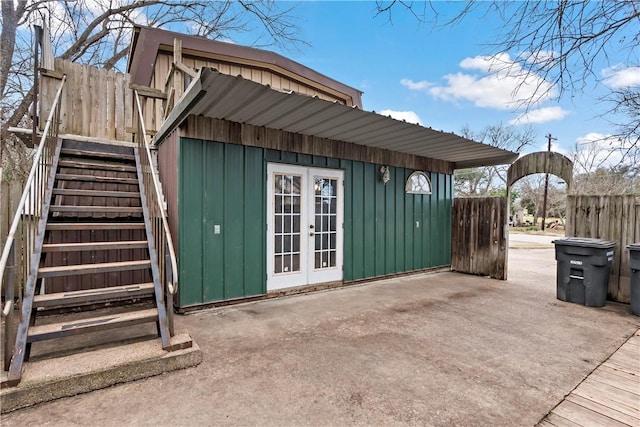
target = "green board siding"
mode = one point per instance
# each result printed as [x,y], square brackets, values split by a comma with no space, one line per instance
[386,231]
[220,184]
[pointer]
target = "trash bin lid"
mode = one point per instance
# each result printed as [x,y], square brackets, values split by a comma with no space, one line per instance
[585,242]
[634,247]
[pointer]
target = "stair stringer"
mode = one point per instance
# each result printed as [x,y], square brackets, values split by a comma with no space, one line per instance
[163,322]
[20,346]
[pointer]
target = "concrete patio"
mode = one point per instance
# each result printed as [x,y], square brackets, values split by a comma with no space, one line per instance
[429,349]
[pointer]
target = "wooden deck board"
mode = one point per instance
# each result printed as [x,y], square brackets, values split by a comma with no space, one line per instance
[612,396]
[620,366]
[602,409]
[95,178]
[100,209]
[626,354]
[628,384]
[554,419]
[94,246]
[96,166]
[95,226]
[112,293]
[95,193]
[101,323]
[609,396]
[585,416]
[105,267]
[97,154]
[606,368]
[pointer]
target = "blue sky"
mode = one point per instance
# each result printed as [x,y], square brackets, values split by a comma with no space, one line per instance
[410,70]
[439,77]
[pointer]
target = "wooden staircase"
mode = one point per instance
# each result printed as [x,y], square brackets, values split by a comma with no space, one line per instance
[96,253]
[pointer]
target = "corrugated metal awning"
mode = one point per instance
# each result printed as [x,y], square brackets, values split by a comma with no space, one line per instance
[220,96]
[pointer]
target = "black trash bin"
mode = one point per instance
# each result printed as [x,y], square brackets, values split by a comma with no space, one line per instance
[583,269]
[634,263]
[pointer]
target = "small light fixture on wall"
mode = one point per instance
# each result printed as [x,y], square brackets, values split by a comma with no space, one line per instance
[385,174]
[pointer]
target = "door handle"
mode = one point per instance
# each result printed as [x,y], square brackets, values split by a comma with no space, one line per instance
[311,234]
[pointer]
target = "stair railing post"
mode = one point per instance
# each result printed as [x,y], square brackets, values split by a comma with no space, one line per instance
[10,292]
[169,297]
[162,241]
[17,258]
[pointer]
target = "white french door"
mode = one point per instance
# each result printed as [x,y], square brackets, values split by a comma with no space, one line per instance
[304,225]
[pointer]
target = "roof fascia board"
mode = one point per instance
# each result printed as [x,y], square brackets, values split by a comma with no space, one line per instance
[143,69]
[507,159]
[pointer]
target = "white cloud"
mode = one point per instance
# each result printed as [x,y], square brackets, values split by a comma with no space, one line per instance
[407,116]
[603,141]
[595,150]
[541,57]
[619,76]
[501,84]
[557,148]
[422,85]
[487,64]
[541,115]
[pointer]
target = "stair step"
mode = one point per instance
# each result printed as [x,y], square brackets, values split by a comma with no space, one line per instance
[96,166]
[92,178]
[97,154]
[95,209]
[91,296]
[94,246]
[95,193]
[95,226]
[101,323]
[103,267]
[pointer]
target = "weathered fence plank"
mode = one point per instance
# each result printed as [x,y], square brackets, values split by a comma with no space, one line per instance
[615,218]
[478,238]
[10,193]
[95,102]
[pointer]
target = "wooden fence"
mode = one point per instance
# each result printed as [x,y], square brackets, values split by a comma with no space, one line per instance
[615,218]
[478,240]
[10,193]
[96,102]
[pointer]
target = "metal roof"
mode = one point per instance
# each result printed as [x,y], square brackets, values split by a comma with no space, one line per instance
[233,98]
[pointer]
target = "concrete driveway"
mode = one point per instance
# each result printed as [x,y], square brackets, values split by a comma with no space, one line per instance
[432,349]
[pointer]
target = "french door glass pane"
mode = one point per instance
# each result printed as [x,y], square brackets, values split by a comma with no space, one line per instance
[286,200]
[325,198]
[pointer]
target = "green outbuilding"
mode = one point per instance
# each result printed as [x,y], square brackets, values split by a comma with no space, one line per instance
[277,180]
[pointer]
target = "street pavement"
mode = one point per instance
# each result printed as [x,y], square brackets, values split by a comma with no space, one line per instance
[526,240]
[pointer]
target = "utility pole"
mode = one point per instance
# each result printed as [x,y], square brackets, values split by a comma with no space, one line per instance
[546,181]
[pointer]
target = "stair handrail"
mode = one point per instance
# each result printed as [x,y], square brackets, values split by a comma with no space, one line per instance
[161,233]
[33,192]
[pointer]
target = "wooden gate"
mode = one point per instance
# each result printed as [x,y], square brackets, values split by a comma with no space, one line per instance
[478,237]
[614,218]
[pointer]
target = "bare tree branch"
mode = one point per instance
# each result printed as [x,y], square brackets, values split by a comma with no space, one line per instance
[561,42]
[97,32]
